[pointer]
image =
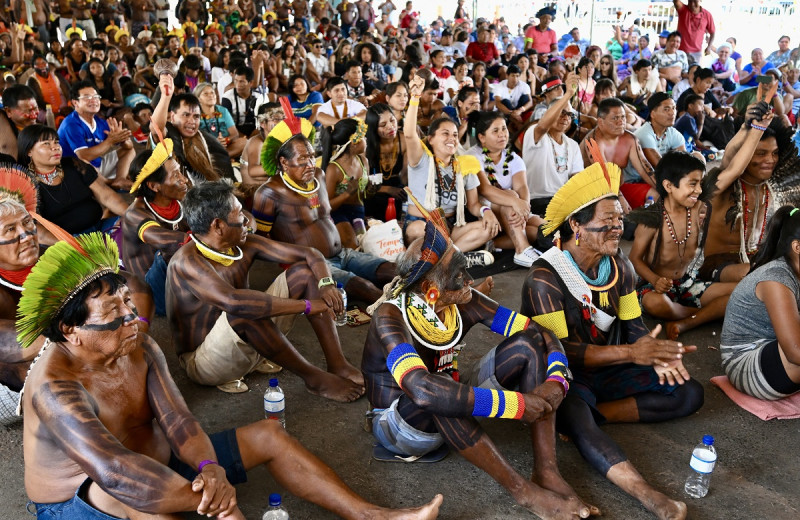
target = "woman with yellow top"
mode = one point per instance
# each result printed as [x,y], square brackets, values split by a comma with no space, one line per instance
[346,175]
[439,179]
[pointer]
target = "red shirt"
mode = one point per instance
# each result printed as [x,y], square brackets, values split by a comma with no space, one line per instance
[693,28]
[542,40]
[441,74]
[483,51]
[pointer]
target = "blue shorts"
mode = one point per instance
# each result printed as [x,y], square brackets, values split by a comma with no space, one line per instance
[156,278]
[350,263]
[76,508]
[397,436]
[347,213]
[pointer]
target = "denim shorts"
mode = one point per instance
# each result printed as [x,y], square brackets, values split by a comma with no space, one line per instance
[350,263]
[76,508]
[399,437]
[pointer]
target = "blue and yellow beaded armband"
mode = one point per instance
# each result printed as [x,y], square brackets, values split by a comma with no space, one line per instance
[557,369]
[403,360]
[493,403]
[508,322]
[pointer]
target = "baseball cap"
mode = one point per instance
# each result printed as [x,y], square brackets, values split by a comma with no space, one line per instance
[663,34]
[550,83]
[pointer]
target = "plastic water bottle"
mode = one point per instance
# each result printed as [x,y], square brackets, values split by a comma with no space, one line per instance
[49,117]
[404,209]
[341,319]
[275,511]
[649,202]
[391,210]
[704,457]
[275,404]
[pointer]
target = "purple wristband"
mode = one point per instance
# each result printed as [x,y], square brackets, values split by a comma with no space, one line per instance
[308,308]
[205,463]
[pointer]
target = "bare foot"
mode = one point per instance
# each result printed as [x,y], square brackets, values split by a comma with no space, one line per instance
[674,328]
[551,479]
[550,505]
[333,387]
[348,371]
[485,286]
[664,507]
[427,512]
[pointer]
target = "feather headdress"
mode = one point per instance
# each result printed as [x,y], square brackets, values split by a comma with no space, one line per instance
[283,131]
[16,183]
[61,272]
[598,181]
[158,157]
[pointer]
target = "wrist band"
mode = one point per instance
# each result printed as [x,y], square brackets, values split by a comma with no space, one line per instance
[559,379]
[205,463]
[308,308]
[501,404]
[757,127]
[485,209]
[413,102]
[142,318]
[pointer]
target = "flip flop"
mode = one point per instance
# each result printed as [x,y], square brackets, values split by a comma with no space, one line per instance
[382,454]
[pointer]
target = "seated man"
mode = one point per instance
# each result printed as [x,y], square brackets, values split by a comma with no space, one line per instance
[153,227]
[293,207]
[665,246]
[410,367]
[358,89]
[241,101]
[512,97]
[106,145]
[118,459]
[621,147]
[339,106]
[19,110]
[742,196]
[584,291]
[223,330]
[200,154]
[658,135]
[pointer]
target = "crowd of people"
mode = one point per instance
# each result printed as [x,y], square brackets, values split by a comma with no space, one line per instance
[145,167]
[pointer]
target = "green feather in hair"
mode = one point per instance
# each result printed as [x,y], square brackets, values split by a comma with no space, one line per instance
[61,272]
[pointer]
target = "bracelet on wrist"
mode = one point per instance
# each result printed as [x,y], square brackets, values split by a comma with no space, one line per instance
[758,127]
[307,311]
[413,102]
[561,380]
[205,463]
[484,209]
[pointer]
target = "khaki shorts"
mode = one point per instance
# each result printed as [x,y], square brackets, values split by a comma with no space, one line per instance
[223,356]
[108,166]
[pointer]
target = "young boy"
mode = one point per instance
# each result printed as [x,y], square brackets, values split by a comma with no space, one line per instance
[665,245]
[690,125]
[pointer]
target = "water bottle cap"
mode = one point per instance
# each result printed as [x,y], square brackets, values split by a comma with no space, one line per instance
[650,197]
[274,500]
[339,285]
[708,440]
[273,381]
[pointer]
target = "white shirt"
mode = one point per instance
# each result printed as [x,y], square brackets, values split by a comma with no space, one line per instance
[235,100]
[452,83]
[544,179]
[353,108]
[515,166]
[501,91]
[320,64]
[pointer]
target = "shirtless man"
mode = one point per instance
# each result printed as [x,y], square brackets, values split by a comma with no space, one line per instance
[193,11]
[82,14]
[140,14]
[347,16]
[19,110]
[321,9]
[284,212]
[222,329]
[119,456]
[282,9]
[36,17]
[300,8]
[365,12]
[154,227]
[665,245]
[742,201]
[420,400]
[621,148]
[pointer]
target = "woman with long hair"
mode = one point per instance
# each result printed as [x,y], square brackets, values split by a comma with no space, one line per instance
[289,64]
[340,57]
[58,59]
[605,89]
[586,85]
[222,67]
[369,57]
[70,192]
[302,99]
[397,99]
[346,175]
[105,84]
[504,184]
[144,67]
[481,83]
[526,74]
[463,111]
[116,58]
[759,348]
[607,68]
[387,158]
[459,79]
[439,178]
[217,120]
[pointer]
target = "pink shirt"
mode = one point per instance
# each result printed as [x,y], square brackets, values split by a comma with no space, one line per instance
[693,28]
[542,41]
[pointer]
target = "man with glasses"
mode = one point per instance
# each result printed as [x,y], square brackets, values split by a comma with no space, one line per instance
[551,157]
[105,144]
[620,147]
[318,66]
[19,110]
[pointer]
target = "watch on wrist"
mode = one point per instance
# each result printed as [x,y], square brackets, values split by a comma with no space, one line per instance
[324,282]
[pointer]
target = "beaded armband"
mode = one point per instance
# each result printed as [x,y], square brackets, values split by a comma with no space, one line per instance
[508,322]
[145,225]
[403,360]
[629,308]
[264,222]
[557,369]
[494,403]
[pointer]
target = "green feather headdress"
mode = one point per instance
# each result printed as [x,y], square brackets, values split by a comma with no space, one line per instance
[61,272]
[283,131]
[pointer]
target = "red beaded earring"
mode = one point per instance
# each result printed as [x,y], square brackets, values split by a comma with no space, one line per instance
[432,295]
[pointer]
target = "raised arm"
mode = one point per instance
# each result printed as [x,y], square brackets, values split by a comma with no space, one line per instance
[741,157]
[414,149]
[161,112]
[553,113]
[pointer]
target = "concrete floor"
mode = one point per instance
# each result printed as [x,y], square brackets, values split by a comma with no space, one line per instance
[756,476]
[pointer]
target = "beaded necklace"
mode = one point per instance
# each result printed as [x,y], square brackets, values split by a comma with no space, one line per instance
[745,205]
[671,229]
[425,325]
[440,177]
[227,258]
[50,178]
[14,279]
[169,211]
[488,166]
[308,192]
[604,280]
[336,111]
